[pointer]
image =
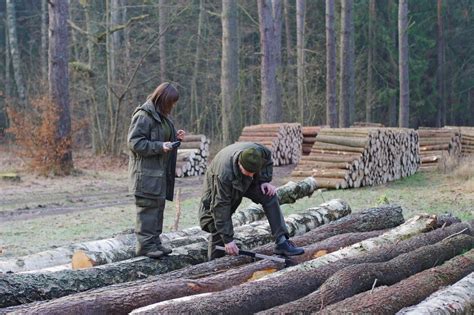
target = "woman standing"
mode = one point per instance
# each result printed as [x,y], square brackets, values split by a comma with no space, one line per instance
[152,166]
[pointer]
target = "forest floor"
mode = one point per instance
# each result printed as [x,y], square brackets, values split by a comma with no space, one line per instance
[39,213]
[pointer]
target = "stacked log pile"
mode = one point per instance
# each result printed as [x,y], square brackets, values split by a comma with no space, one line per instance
[283,139]
[437,145]
[359,124]
[355,157]
[353,264]
[192,156]
[309,138]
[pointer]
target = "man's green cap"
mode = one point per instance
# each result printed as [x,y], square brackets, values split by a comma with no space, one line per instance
[251,160]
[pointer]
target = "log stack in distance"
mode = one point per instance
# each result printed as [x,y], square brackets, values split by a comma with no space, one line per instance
[355,157]
[309,137]
[283,139]
[192,156]
[438,145]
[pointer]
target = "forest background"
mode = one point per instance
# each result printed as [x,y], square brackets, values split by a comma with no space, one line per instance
[119,51]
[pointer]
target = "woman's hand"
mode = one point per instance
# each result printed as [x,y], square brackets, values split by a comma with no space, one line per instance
[180,134]
[167,146]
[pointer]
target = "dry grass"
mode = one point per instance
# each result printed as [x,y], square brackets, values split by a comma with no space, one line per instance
[464,170]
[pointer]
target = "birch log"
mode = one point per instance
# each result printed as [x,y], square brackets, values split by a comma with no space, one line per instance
[122,247]
[455,299]
[271,291]
[23,288]
[152,292]
[360,278]
[364,221]
[389,300]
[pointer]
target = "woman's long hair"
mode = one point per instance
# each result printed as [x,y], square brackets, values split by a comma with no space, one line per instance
[164,97]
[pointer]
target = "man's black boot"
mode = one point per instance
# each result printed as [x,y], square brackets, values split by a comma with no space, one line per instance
[166,250]
[287,248]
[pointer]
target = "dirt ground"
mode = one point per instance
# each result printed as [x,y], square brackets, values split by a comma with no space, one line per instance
[38,213]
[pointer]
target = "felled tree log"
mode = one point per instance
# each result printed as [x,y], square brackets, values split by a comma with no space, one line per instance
[366,220]
[271,291]
[360,278]
[122,246]
[389,300]
[152,292]
[455,299]
[23,288]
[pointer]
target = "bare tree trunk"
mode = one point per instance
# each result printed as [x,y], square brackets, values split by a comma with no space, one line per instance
[195,117]
[351,65]
[230,70]
[370,59]
[289,49]
[345,64]
[163,12]
[15,53]
[331,108]
[44,41]
[270,42]
[8,87]
[441,75]
[300,19]
[97,132]
[59,76]
[394,69]
[404,110]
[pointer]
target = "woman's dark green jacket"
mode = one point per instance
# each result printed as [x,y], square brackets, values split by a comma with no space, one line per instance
[151,171]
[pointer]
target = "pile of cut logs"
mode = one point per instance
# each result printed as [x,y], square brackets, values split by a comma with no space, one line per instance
[309,137]
[354,157]
[192,156]
[437,145]
[283,139]
[372,261]
[364,124]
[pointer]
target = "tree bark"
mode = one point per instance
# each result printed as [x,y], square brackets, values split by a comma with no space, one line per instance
[404,110]
[15,53]
[455,299]
[360,278]
[345,63]
[282,287]
[441,73]
[230,71]
[195,115]
[22,288]
[389,300]
[331,107]
[133,297]
[300,28]
[328,235]
[163,13]
[370,65]
[270,41]
[58,78]
[44,41]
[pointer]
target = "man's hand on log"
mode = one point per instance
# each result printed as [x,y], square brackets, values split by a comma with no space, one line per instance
[232,248]
[268,189]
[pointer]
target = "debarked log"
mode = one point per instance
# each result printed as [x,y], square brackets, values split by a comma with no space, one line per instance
[282,287]
[359,278]
[389,300]
[455,299]
[23,288]
[133,297]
